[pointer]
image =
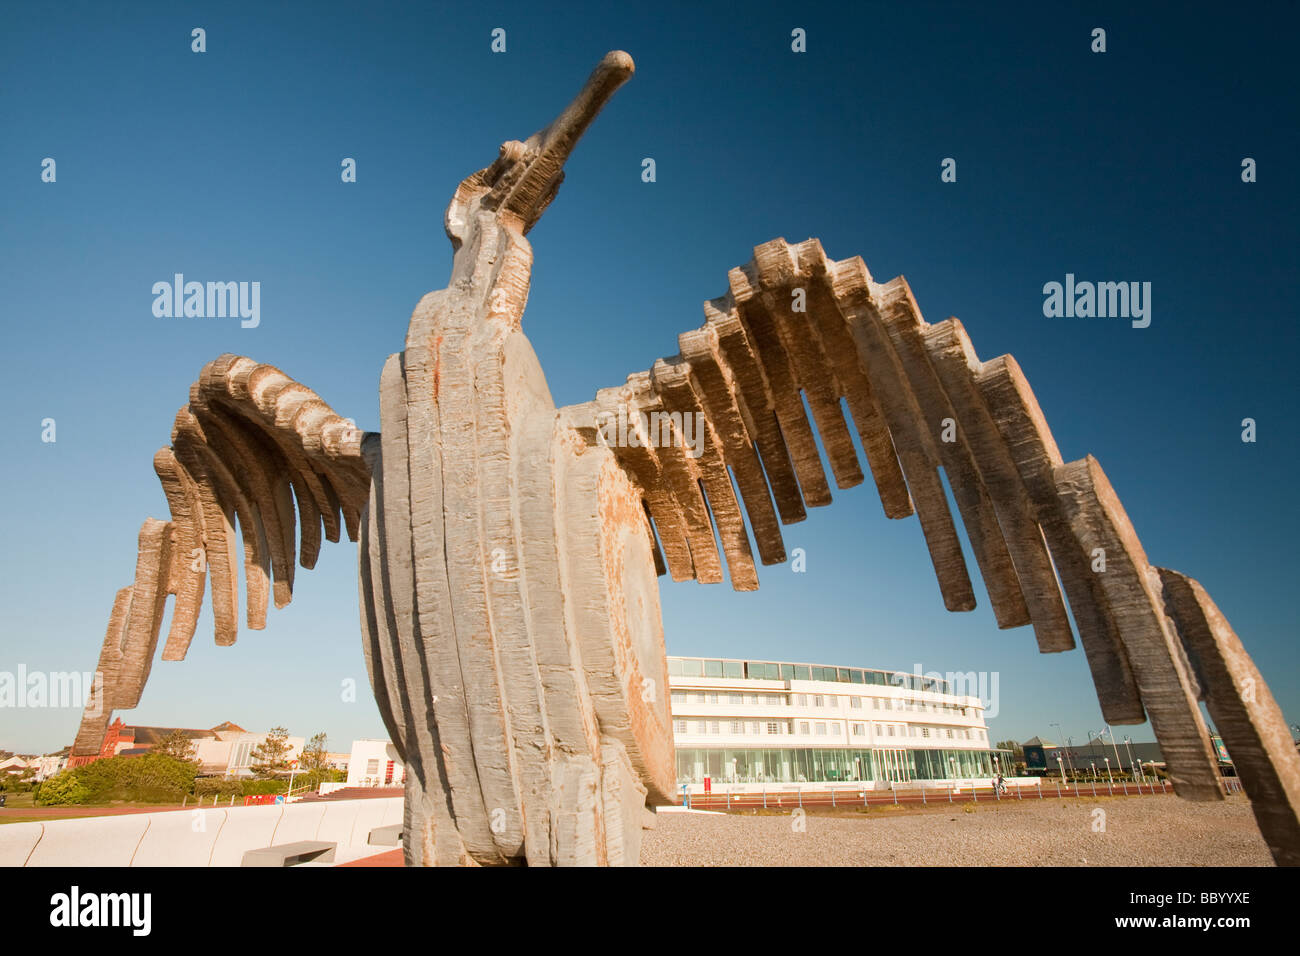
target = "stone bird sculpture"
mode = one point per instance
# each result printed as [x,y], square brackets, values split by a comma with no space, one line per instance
[509,551]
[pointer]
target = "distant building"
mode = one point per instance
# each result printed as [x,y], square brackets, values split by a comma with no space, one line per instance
[15,764]
[43,766]
[338,761]
[375,763]
[224,750]
[757,723]
[1045,757]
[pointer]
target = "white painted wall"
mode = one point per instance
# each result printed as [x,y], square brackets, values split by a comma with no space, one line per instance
[380,751]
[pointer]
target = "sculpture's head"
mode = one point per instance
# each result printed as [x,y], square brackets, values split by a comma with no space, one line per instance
[525,177]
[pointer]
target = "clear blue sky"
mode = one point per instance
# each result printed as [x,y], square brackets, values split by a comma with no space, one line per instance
[225,166]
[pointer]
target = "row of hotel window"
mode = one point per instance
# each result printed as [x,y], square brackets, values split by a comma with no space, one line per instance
[824,729]
[817,700]
[771,670]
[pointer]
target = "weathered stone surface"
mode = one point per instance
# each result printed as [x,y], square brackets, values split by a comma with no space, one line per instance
[903,322]
[954,361]
[1244,711]
[509,551]
[1100,524]
[245,438]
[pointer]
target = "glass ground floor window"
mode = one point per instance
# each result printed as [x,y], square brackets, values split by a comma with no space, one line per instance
[761,765]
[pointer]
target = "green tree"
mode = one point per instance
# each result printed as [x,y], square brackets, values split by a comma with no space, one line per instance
[178,745]
[315,754]
[272,754]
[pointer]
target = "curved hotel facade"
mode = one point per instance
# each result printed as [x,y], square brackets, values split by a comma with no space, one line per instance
[758,723]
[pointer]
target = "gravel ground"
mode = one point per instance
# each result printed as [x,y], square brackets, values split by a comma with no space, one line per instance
[1139,831]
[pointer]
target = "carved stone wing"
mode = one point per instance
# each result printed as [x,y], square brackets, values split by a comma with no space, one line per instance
[250,442]
[724,431]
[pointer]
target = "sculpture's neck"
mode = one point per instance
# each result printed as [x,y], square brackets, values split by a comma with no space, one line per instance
[490,275]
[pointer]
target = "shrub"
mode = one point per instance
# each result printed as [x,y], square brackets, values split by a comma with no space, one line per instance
[274,785]
[61,790]
[146,779]
[209,786]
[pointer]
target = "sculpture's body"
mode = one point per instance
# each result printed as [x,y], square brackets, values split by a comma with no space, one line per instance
[529,749]
[508,557]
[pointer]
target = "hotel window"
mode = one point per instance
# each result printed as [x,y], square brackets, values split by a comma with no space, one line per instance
[925,731]
[821,730]
[372,766]
[751,698]
[855,702]
[880,731]
[875,703]
[755,727]
[773,727]
[858,730]
[835,729]
[679,697]
[713,727]
[801,700]
[679,726]
[949,733]
[735,698]
[737,726]
[712,698]
[832,701]
[891,730]
[911,731]
[817,700]
[803,727]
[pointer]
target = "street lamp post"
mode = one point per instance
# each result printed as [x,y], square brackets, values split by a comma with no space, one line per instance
[1108,776]
[1062,766]
[1113,744]
[1061,733]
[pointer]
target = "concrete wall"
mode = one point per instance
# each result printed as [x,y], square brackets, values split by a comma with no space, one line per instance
[213,836]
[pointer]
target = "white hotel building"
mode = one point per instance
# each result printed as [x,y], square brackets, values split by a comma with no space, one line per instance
[758,723]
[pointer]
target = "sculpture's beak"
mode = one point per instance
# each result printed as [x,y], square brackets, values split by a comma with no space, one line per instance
[533,190]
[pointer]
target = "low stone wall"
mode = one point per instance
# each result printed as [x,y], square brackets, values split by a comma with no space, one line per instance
[209,836]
